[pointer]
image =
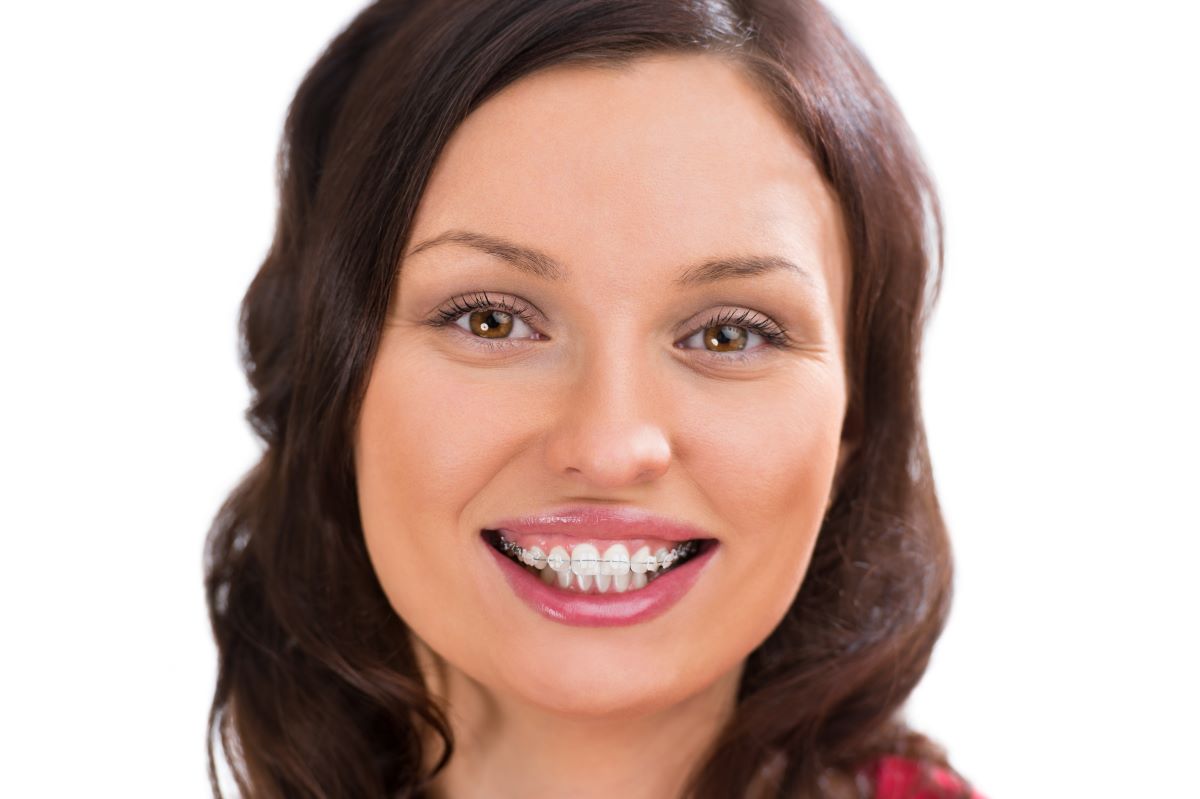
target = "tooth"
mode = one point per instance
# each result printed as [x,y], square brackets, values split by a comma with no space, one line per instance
[564,578]
[548,576]
[620,582]
[641,561]
[583,560]
[585,581]
[559,560]
[639,581]
[616,560]
[663,558]
[537,558]
[602,582]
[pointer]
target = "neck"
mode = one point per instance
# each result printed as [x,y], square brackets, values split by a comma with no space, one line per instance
[509,748]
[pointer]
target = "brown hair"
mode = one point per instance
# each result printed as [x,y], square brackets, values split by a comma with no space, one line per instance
[318,690]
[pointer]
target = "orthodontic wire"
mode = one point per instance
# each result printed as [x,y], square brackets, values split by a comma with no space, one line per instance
[679,551]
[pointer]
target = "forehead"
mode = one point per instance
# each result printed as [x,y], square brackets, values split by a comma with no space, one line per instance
[632,171]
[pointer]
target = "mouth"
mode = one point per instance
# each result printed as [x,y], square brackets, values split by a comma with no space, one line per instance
[598,567]
[585,582]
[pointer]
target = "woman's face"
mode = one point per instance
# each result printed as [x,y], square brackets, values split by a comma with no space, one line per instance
[625,367]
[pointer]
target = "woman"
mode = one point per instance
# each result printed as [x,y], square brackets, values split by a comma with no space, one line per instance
[585,358]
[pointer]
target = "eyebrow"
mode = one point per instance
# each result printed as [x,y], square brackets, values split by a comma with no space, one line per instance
[540,265]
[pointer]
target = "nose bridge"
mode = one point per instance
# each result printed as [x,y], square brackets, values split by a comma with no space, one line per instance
[612,429]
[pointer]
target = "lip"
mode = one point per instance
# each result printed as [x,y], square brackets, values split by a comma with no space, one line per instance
[603,524]
[603,610]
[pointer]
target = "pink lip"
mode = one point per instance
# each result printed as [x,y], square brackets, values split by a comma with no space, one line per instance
[602,610]
[602,523]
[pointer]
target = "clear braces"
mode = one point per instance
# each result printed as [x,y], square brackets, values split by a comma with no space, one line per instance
[514,550]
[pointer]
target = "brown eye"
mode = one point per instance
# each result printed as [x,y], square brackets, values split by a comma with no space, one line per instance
[490,323]
[725,338]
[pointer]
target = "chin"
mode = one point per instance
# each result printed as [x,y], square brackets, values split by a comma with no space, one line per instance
[598,682]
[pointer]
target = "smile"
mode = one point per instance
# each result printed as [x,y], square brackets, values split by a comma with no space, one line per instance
[583,567]
[598,583]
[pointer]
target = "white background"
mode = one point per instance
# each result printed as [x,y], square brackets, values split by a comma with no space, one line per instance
[137,198]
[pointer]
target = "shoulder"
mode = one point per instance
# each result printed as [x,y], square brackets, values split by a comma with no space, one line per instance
[896,777]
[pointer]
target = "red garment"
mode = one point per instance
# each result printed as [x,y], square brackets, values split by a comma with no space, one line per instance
[900,778]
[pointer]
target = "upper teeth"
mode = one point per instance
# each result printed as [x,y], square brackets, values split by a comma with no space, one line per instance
[586,560]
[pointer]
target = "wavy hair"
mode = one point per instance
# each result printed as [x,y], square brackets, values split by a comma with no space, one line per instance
[318,692]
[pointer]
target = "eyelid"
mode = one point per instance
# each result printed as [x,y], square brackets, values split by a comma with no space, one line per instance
[480,300]
[738,316]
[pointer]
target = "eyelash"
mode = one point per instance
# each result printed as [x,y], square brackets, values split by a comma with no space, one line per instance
[774,335]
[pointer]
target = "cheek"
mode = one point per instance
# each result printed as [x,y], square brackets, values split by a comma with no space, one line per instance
[774,450]
[430,438]
[768,468]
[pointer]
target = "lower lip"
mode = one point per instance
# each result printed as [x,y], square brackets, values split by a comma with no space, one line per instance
[602,610]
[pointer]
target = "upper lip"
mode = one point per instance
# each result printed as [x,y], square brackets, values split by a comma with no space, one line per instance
[605,523]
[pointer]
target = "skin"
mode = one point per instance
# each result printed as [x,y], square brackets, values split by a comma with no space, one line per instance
[626,177]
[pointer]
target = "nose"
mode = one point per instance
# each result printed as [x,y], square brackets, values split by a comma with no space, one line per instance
[610,431]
